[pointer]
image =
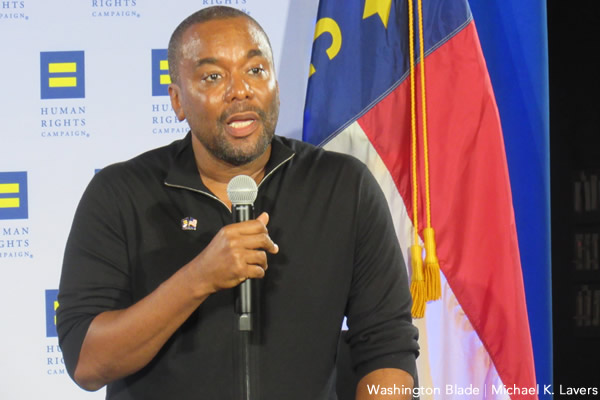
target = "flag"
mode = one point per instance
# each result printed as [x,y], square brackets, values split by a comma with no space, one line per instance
[477,336]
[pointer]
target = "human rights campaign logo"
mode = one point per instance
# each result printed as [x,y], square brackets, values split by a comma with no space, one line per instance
[51,307]
[13,195]
[160,73]
[62,74]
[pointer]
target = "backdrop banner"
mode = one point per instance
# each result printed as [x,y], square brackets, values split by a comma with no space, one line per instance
[84,85]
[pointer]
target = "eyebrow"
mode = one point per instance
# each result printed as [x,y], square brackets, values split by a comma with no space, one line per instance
[255,53]
[212,60]
[206,60]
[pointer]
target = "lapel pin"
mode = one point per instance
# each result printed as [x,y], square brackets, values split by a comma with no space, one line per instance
[189,224]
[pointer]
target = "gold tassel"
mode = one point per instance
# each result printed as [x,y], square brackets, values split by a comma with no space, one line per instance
[433,287]
[417,286]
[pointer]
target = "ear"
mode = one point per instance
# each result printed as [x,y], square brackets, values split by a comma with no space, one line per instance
[175,95]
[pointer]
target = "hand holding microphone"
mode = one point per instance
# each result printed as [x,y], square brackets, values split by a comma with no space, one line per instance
[237,252]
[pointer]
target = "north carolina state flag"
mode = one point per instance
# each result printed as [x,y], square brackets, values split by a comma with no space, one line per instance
[477,336]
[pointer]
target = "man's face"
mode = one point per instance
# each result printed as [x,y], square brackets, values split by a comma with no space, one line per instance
[227,89]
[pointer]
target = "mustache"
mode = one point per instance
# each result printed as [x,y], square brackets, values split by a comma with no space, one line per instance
[240,108]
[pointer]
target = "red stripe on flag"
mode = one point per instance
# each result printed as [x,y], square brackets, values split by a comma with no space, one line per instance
[471,199]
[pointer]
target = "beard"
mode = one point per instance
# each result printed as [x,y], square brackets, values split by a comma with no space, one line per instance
[219,146]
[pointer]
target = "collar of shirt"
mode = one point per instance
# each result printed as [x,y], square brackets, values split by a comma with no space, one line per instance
[183,172]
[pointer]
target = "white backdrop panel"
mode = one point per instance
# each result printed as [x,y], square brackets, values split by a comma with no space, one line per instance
[59,142]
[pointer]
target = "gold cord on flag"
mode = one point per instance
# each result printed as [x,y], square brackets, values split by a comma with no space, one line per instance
[417,285]
[425,285]
[432,265]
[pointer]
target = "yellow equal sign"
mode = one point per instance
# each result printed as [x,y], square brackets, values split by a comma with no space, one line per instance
[59,68]
[9,202]
[55,308]
[165,79]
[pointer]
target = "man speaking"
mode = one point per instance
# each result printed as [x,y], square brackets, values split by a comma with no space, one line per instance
[147,292]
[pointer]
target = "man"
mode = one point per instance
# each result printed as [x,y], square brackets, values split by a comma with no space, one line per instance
[146,294]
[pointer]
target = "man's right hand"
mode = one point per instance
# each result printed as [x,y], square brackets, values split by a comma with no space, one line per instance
[236,253]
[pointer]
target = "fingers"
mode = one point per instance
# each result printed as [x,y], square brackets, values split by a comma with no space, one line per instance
[256,258]
[255,239]
[253,226]
[253,266]
[254,234]
[255,272]
[260,241]
[269,245]
[236,253]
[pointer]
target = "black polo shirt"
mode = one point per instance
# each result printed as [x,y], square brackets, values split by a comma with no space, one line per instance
[338,256]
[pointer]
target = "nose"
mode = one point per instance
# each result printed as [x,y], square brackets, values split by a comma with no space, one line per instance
[238,88]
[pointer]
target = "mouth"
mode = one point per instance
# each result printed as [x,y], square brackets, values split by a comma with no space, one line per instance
[240,125]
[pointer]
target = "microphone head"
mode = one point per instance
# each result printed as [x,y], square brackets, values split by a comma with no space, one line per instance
[242,190]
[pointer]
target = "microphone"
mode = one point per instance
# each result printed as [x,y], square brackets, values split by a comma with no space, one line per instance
[242,192]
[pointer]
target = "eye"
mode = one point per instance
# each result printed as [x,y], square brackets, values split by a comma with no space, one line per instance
[211,77]
[256,71]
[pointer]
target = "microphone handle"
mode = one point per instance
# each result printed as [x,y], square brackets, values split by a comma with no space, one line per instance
[241,213]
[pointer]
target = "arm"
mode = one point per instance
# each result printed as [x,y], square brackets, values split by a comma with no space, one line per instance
[382,338]
[120,342]
[387,377]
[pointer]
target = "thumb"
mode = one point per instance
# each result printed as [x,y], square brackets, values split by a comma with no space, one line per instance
[264,218]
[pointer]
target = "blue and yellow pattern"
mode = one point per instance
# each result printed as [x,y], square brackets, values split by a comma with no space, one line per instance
[62,74]
[160,73]
[51,307]
[360,54]
[13,195]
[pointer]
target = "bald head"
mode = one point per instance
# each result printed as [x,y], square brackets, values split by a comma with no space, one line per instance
[199,17]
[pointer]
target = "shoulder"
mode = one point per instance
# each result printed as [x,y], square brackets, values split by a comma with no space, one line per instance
[330,175]
[307,154]
[149,166]
[141,177]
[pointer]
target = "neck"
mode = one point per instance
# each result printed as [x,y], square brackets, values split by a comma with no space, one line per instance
[216,173]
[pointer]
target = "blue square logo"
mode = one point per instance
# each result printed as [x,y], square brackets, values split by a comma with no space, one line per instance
[51,307]
[62,74]
[13,195]
[160,73]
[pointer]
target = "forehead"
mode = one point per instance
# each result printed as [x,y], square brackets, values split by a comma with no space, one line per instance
[220,36]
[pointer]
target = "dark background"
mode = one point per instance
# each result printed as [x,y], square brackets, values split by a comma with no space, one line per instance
[573,29]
